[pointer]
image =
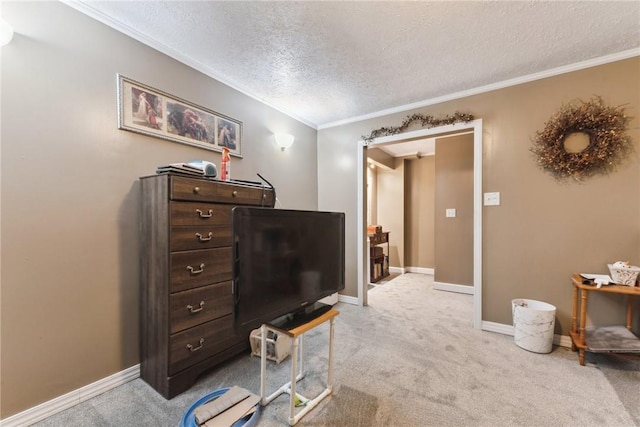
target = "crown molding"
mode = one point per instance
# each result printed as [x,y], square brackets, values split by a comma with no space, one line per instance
[490,87]
[87,9]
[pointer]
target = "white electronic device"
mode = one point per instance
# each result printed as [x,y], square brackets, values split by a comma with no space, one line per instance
[208,169]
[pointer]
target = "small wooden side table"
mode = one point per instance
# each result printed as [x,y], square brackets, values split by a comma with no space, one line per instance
[612,339]
[297,336]
[377,262]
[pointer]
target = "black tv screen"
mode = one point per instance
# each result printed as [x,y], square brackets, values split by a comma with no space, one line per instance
[284,261]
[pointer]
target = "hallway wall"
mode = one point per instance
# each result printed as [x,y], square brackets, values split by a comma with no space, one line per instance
[454,190]
[420,212]
[391,200]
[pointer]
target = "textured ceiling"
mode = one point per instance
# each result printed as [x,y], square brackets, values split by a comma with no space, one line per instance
[323,62]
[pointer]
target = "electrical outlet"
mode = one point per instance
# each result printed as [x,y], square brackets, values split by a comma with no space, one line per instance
[450,213]
[491,199]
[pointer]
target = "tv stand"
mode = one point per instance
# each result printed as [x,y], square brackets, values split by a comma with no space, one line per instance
[297,338]
[300,317]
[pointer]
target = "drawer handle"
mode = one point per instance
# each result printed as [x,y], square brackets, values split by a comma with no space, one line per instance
[195,310]
[235,193]
[204,239]
[192,271]
[194,349]
[204,215]
[196,190]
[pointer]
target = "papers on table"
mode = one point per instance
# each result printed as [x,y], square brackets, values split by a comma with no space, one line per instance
[598,279]
[181,168]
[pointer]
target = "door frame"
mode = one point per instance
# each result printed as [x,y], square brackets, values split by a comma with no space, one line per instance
[362,258]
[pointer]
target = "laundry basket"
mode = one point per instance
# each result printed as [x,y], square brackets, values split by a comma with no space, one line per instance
[533,324]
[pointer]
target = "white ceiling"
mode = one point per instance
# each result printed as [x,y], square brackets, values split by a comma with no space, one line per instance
[330,62]
[415,147]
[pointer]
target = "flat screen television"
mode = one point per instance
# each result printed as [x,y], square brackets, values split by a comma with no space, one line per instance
[284,262]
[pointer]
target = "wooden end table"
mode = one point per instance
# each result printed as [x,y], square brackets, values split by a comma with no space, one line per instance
[613,339]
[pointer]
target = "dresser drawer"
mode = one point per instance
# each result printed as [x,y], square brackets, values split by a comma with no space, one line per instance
[196,344]
[184,213]
[187,238]
[198,190]
[191,269]
[241,195]
[196,306]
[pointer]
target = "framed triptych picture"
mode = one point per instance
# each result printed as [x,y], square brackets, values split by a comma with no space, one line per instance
[149,111]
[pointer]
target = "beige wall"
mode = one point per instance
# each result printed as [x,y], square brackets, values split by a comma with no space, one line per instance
[70,193]
[431,184]
[378,156]
[69,207]
[543,231]
[372,195]
[391,197]
[454,190]
[420,211]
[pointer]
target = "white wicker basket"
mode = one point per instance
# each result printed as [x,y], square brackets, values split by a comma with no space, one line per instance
[278,345]
[624,275]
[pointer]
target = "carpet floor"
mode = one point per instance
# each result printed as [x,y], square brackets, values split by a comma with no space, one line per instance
[410,358]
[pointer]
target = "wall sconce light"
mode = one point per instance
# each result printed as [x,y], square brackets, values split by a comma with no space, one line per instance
[6,32]
[284,140]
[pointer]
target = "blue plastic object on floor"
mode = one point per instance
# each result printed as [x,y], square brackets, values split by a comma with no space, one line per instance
[189,419]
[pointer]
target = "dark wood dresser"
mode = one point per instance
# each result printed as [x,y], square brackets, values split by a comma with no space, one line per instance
[186,324]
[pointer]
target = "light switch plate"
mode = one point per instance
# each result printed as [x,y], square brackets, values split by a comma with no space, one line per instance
[492,199]
[450,213]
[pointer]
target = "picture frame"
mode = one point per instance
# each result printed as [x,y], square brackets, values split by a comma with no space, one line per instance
[149,111]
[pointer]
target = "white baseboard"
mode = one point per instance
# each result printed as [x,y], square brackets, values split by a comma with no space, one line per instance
[420,270]
[347,299]
[402,270]
[66,401]
[500,328]
[451,287]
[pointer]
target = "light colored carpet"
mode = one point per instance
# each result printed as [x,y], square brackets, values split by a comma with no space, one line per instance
[410,358]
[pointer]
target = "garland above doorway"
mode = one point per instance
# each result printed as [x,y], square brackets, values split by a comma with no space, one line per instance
[603,126]
[426,120]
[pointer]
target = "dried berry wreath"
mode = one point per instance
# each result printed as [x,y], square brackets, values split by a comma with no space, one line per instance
[608,141]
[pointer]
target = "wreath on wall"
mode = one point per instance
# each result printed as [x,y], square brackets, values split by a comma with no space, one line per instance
[426,120]
[604,126]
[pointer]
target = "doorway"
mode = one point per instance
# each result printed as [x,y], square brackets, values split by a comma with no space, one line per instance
[363,267]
